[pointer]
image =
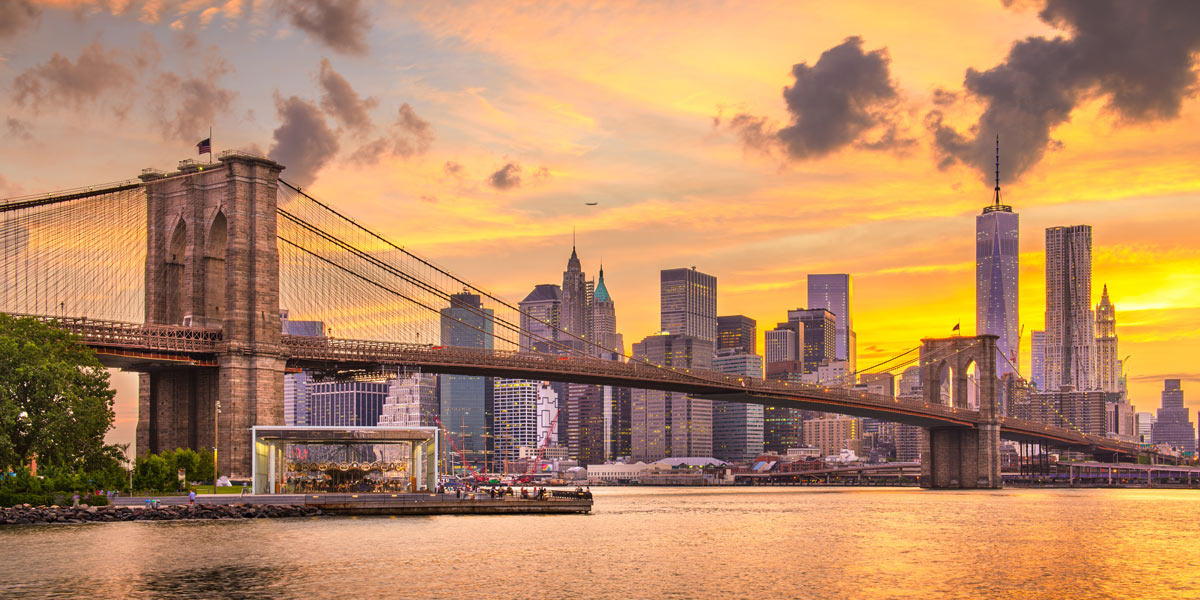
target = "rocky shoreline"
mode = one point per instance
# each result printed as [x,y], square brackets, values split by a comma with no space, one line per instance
[44,515]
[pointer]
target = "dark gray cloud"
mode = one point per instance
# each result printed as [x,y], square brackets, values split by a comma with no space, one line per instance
[1138,56]
[340,101]
[98,72]
[187,106]
[18,129]
[832,103]
[303,142]
[846,98]
[16,15]
[409,135]
[508,177]
[342,25]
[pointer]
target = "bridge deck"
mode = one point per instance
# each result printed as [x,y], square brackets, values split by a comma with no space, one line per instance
[135,346]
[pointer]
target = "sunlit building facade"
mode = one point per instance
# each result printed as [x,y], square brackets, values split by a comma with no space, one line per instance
[835,293]
[1070,324]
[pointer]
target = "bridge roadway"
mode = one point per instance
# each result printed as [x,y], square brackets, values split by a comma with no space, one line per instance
[138,347]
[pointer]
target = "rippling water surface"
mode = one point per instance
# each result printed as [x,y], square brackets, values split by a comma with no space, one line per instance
[652,543]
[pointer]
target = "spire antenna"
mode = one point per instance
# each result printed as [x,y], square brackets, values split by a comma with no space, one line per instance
[997,170]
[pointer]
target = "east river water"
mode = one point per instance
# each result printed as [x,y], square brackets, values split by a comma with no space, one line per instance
[651,543]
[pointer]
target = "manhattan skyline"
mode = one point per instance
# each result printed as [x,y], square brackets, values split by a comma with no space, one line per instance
[508,139]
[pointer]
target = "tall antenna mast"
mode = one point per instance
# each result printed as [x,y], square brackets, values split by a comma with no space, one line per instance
[997,201]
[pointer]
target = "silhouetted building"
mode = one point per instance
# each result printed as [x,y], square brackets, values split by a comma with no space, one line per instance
[1172,426]
[737,332]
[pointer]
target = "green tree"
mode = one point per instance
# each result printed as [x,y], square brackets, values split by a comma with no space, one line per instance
[55,401]
[152,472]
[204,466]
[188,460]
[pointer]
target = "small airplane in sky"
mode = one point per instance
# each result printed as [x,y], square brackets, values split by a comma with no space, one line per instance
[591,203]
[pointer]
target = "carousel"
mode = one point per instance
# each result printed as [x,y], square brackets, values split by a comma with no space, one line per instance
[305,460]
[365,477]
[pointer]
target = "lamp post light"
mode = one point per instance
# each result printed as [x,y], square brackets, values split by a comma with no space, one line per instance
[216,442]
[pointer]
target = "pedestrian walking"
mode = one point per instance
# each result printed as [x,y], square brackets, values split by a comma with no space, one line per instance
[192,498]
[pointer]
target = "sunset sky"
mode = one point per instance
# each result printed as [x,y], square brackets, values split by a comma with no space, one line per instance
[757,141]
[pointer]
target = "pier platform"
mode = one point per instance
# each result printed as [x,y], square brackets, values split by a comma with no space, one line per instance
[384,504]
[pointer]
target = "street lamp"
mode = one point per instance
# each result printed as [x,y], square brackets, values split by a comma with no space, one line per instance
[216,438]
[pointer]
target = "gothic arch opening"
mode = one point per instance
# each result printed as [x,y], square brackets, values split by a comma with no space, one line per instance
[175,267]
[215,247]
[945,383]
[972,374]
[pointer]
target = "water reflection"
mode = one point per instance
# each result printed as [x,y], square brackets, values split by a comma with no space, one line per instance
[649,542]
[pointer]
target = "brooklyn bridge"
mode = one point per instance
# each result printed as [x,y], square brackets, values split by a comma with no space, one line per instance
[181,277]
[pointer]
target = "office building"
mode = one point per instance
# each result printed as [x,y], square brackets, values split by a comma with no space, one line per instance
[1083,411]
[816,331]
[575,302]
[524,410]
[997,272]
[831,434]
[295,399]
[1037,357]
[1070,326]
[1108,369]
[598,416]
[834,292]
[1144,421]
[689,303]
[412,401]
[466,401]
[737,332]
[611,345]
[346,403]
[737,426]
[1173,427]
[672,424]
[540,313]
[295,385]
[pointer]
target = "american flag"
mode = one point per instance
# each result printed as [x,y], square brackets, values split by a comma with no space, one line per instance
[205,146]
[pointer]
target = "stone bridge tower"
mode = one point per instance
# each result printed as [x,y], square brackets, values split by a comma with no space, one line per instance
[961,457]
[212,262]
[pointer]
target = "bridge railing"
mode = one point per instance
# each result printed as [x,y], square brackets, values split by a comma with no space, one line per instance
[134,336]
[710,382]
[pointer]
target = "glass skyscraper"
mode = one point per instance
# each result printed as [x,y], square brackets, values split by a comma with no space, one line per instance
[466,401]
[834,293]
[689,303]
[997,272]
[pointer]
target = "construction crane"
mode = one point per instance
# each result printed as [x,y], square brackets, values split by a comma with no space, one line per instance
[450,438]
[541,447]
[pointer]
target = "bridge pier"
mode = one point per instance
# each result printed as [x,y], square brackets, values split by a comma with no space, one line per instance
[961,457]
[212,261]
